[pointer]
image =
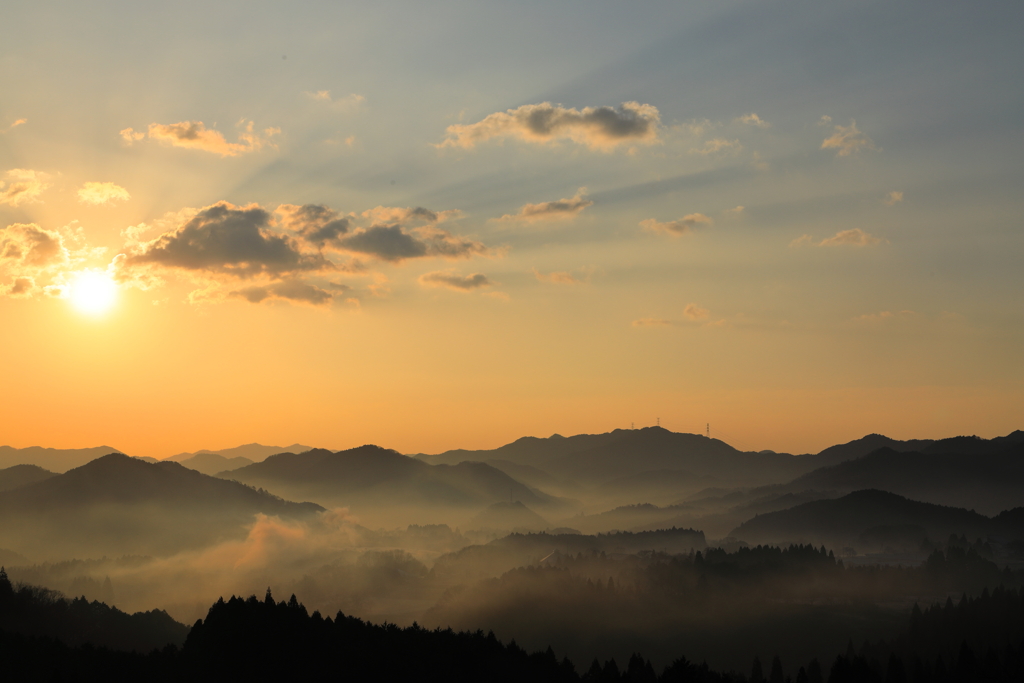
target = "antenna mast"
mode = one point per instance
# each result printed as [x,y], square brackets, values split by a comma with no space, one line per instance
[709,430]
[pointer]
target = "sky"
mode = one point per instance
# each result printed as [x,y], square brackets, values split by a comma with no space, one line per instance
[452,224]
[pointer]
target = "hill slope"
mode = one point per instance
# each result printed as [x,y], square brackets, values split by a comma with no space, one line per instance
[374,476]
[19,475]
[118,505]
[863,518]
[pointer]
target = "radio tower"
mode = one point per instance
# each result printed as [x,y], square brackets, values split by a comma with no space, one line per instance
[709,430]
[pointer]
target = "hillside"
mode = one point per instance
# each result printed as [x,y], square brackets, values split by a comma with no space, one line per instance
[596,459]
[370,476]
[255,452]
[212,463]
[985,476]
[20,475]
[864,519]
[53,459]
[120,505]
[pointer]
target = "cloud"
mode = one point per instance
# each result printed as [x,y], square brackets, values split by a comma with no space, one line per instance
[395,214]
[282,254]
[753,119]
[882,316]
[195,135]
[347,103]
[893,198]
[231,240]
[735,210]
[652,322]
[292,290]
[393,243]
[595,127]
[21,288]
[555,210]
[315,223]
[825,120]
[718,146]
[854,237]
[26,244]
[14,125]
[801,240]
[102,193]
[695,312]
[561,277]
[677,227]
[22,185]
[462,283]
[847,140]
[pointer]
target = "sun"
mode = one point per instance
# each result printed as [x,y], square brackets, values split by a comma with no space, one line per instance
[92,292]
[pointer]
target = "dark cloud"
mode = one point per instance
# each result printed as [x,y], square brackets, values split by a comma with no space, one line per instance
[392,243]
[553,210]
[226,239]
[463,283]
[598,127]
[316,223]
[389,243]
[292,290]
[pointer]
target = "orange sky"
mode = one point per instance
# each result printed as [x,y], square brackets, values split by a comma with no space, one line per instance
[457,242]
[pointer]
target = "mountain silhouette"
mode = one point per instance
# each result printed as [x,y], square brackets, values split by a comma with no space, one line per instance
[19,475]
[849,520]
[254,452]
[984,475]
[601,458]
[212,463]
[375,476]
[120,505]
[53,459]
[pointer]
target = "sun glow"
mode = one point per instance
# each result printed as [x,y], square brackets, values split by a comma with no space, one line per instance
[92,292]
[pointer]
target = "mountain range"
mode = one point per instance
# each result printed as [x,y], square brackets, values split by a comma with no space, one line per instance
[119,505]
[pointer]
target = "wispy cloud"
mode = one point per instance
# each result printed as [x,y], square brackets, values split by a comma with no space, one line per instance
[854,237]
[22,185]
[558,209]
[753,119]
[695,312]
[692,313]
[98,194]
[347,103]
[562,277]
[718,146]
[195,135]
[451,280]
[290,290]
[652,322]
[18,122]
[893,198]
[676,227]
[847,140]
[595,127]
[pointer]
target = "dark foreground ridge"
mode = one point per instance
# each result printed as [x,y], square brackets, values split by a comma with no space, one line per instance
[979,639]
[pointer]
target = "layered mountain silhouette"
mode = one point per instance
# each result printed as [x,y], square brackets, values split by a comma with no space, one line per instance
[19,475]
[596,459]
[375,476]
[118,505]
[871,518]
[254,452]
[53,459]
[212,463]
